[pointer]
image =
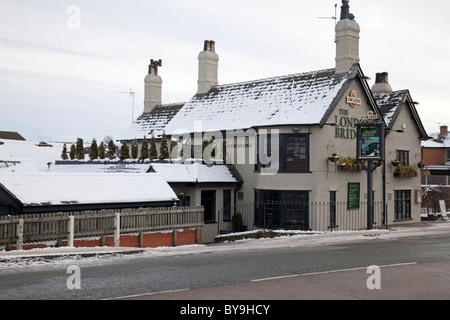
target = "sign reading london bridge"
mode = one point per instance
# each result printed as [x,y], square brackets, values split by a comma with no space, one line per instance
[346,124]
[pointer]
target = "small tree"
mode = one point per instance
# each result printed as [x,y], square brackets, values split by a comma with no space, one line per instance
[72,152]
[101,150]
[64,155]
[164,149]
[79,154]
[124,151]
[134,149]
[144,149]
[112,149]
[153,151]
[93,154]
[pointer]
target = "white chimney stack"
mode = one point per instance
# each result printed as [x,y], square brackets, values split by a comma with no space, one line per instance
[208,66]
[347,40]
[153,86]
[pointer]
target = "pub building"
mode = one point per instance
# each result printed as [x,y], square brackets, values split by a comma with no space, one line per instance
[291,143]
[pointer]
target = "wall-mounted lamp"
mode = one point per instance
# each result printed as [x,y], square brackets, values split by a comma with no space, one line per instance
[296,130]
[399,131]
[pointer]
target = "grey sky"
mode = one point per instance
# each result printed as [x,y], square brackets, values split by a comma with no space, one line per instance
[63,63]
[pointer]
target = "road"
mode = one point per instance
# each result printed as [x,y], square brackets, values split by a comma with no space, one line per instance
[411,268]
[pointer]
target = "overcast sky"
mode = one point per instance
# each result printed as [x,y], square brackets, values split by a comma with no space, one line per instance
[64,63]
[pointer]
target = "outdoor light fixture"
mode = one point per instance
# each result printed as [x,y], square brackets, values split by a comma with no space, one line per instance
[362,77]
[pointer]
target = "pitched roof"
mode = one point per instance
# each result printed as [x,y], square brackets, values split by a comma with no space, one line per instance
[392,103]
[152,122]
[293,99]
[302,98]
[11,135]
[48,189]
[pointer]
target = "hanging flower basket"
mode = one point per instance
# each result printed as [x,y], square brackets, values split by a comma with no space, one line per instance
[395,162]
[421,165]
[334,157]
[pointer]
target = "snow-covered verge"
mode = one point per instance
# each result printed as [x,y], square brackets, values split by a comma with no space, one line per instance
[13,261]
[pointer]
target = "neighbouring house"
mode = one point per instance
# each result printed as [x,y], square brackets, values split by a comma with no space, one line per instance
[436,157]
[436,178]
[292,139]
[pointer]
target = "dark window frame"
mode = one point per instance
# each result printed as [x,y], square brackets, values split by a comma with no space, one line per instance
[303,153]
[402,204]
[403,157]
[277,208]
[288,151]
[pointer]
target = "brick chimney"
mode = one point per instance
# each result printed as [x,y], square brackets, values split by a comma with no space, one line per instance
[444,130]
[381,83]
[347,40]
[153,86]
[208,65]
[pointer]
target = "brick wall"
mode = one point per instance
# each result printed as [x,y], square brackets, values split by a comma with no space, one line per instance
[434,156]
[150,240]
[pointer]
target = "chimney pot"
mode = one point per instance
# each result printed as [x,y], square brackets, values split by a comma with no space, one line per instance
[206,46]
[382,77]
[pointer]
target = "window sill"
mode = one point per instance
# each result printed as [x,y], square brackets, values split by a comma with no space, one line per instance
[403,220]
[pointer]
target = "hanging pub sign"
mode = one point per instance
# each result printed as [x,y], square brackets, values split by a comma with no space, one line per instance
[370,141]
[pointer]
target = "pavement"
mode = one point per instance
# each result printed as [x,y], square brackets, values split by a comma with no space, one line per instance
[282,240]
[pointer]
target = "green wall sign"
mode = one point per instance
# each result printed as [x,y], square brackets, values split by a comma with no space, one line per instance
[353,195]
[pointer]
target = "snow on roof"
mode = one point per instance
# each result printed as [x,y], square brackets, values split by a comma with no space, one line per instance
[293,99]
[17,165]
[152,122]
[86,188]
[30,150]
[100,166]
[195,172]
[389,103]
[437,141]
[171,172]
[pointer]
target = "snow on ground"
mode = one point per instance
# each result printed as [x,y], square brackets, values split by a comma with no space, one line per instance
[15,261]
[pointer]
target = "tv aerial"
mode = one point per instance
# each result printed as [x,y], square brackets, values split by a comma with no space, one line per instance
[131,93]
[335,15]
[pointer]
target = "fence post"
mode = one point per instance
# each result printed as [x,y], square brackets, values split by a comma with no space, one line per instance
[197,235]
[71,230]
[20,235]
[175,235]
[117,230]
